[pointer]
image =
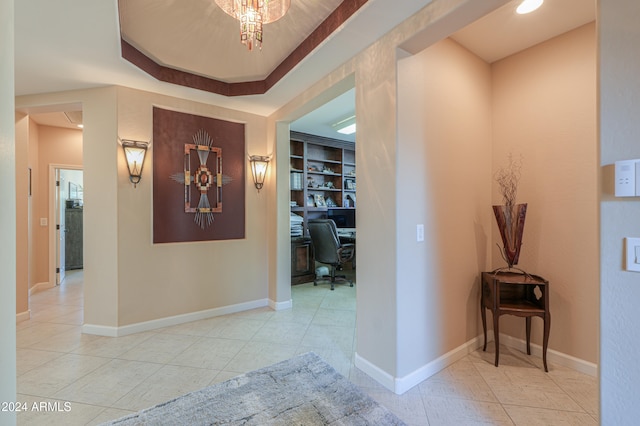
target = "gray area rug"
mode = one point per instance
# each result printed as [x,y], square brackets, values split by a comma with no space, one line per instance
[303,390]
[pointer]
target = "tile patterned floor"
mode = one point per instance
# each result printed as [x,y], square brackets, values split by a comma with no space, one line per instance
[104,378]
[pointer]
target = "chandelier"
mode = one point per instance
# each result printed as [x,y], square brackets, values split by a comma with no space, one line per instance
[253,14]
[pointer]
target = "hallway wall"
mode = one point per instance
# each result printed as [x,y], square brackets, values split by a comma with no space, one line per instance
[444,178]
[7,214]
[545,110]
[55,145]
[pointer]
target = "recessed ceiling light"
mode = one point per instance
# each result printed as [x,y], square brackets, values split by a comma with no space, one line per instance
[349,130]
[346,126]
[79,126]
[528,6]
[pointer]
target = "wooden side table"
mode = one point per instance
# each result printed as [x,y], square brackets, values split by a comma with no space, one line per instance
[513,293]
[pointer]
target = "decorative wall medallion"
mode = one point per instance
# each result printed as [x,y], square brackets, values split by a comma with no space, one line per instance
[188,150]
[203,179]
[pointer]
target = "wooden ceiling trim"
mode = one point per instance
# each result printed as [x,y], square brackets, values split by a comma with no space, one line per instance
[339,16]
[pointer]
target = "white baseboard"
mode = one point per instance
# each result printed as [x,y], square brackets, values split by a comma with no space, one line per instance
[375,372]
[125,330]
[553,356]
[400,385]
[23,316]
[403,384]
[280,306]
[39,287]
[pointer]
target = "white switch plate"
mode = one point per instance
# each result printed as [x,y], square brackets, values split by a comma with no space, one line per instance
[43,221]
[419,233]
[632,246]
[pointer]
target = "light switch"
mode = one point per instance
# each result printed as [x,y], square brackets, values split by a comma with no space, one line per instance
[419,233]
[632,248]
[43,221]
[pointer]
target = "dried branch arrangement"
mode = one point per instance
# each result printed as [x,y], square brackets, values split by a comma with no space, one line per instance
[508,178]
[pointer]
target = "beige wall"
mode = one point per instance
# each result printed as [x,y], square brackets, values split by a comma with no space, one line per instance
[381,345]
[53,146]
[444,179]
[22,205]
[34,202]
[544,104]
[163,280]
[618,71]
[129,280]
[7,214]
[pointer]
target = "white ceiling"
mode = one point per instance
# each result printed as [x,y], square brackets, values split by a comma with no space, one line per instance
[320,121]
[498,35]
[503,32]
[182,36]
[75,44]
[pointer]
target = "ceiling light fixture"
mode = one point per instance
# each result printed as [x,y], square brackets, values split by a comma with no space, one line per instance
[346,126]
[528,6]
[252,14]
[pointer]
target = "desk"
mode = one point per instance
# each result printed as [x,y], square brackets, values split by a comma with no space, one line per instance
[513,293]
[302,261]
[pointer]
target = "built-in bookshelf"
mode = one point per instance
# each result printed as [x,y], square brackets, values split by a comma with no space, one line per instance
[322,176]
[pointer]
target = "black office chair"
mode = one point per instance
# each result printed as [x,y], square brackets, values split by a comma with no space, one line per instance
[328,250]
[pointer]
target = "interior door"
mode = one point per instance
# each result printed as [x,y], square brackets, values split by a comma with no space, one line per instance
[61,229]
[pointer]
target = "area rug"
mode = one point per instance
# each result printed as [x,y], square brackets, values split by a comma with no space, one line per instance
[303,390]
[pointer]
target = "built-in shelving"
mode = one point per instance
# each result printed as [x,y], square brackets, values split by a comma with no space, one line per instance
[323,175]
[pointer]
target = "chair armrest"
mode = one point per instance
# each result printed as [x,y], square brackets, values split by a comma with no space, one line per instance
[346,252]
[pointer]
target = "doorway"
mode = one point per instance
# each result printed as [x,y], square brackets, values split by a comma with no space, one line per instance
[67,216]
[322,177]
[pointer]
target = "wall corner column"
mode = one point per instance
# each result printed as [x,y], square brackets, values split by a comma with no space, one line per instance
[7,213]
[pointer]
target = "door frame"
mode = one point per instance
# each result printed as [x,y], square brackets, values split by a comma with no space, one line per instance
[53,240]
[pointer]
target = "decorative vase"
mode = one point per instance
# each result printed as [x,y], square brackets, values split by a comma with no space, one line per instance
[511,225]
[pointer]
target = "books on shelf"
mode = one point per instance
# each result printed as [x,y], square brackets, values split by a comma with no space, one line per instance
[296,225]
[296,180]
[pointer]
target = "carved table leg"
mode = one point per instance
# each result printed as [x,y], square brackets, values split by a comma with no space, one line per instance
[483,314]
[528,319]
[496,334]
[545,339]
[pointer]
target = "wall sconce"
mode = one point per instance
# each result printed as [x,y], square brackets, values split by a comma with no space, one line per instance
[135,152]
[259,166]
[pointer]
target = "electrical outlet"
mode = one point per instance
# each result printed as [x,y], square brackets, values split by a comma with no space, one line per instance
[627,180]
[420,233]
[632,246]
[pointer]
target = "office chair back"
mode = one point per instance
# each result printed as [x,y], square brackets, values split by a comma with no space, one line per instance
[326,243]
[328,249]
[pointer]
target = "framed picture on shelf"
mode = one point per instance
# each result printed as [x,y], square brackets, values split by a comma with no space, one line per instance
[319,199]
[310,201]
[350,184]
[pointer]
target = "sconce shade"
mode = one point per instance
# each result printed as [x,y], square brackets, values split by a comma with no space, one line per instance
[259,166]
[135,152]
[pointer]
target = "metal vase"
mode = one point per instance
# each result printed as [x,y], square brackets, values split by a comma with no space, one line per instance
[510,221]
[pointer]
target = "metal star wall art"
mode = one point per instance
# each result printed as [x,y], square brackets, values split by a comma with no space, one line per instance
[207,179]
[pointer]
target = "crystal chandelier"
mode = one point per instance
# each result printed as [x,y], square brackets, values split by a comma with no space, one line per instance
[253,14]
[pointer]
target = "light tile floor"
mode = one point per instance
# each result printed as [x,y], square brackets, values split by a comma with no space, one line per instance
[104,378]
